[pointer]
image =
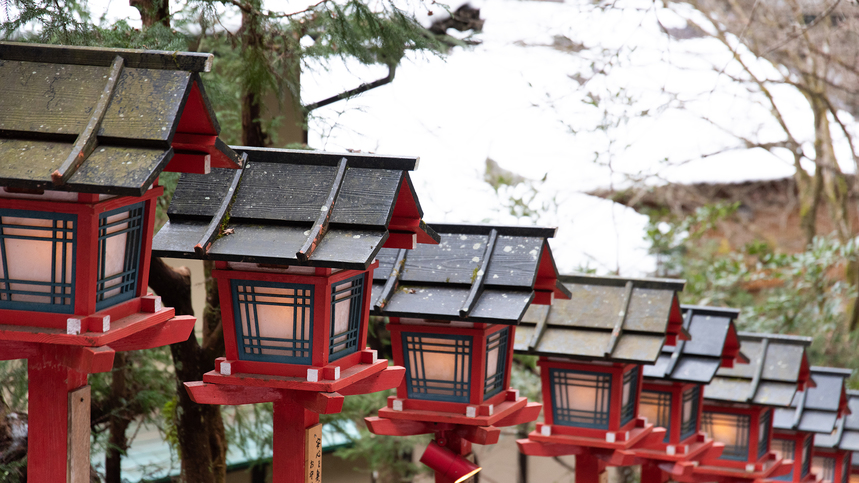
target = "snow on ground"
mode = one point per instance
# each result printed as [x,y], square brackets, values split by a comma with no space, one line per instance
[584,94]
[622,103]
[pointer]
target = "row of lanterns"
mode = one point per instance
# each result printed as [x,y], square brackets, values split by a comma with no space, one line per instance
[307,246]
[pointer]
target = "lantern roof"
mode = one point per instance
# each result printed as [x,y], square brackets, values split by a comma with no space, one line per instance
[713,343]
[606,318]
[105,121]
[816,409]
[778,367]
[293,207]
[845,435]
[478,273]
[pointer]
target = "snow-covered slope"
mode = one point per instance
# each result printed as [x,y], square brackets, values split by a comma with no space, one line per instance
[589,96]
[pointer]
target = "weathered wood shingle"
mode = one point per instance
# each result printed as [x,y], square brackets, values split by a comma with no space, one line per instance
[777,369]
[295,208]
[478,273]
[130,104]
[713,343]
[606,318]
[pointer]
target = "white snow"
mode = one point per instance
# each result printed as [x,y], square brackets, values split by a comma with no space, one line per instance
[624,104]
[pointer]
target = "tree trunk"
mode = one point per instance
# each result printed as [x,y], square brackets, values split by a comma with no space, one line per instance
[252,45]
[152,11]
[202,440]
[118,421]
[808,188]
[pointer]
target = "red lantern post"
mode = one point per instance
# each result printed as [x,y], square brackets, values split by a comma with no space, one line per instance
[739,404]
[819,409]
[294,236]
[672,396]
[86,133]
[452,308]
[833,453]
[590,349]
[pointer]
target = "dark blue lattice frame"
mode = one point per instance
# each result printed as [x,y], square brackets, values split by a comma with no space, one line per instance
[495,383]
[845,468]
[564,415]
[61,302]
[739,451]
[662,401]
[788,451]
[627,411]
[129,275]
[690,427]
[764,432]
[418,386]
[806,455]
[349,345]
[252,349]
[828,468]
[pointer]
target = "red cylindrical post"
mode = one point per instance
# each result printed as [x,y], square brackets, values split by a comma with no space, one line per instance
[291,422]
[588,468]
[50,383]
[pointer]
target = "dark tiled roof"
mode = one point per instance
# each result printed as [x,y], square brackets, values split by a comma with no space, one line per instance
[294,207]
[713,343]
[845,436]
[102,120]
[606,318]
[479,273]
[777,368]
[817,408]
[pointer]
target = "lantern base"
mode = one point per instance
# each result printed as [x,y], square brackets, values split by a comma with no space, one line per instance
[697,449]
[347,378]
[119,329]
[768,468]
[499,414]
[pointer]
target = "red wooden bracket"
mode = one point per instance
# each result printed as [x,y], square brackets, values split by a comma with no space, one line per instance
[529,413]
[318,402]
[229,395]
[479,434]
[196,163]
[399,239]
[617,457]
[389,378]
[87,360]
[401,427]
[537,448]
[171,331]
[680,469]
[655,439]
[11,350]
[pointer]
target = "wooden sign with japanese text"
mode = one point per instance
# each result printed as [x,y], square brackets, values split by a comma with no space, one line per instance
[313,454]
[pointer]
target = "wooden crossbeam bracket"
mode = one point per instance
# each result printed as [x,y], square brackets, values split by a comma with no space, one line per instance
[321,226]
[759,370]
[392,282]
[621,318]
[213,230]
[540,329]
[479,277]
[678,348]
[800,407]
[86,141]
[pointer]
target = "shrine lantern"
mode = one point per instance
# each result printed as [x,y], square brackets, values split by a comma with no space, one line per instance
[85,134]
[294,236]
[818,409]
[452,310]
[833,452]
[739,404]
[591,348]
[672,396]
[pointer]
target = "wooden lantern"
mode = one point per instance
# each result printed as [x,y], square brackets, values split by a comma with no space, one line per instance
[452,312]
[739,404]
[817,409]
[833,452]
[294,236]
[591,348]
[672,396]
[86,133]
